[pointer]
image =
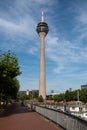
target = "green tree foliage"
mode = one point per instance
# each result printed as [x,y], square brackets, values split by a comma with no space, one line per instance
[59,97]
[9,65]
[50,97]
[68,95]
[83,95]
[55,98]
[40,98]
[72,95]
[11,88]
[9,70]
[23,97]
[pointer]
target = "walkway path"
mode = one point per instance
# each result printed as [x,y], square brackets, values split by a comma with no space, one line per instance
[20,118]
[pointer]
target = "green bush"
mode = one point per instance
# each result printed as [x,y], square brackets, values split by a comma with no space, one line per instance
[40,98]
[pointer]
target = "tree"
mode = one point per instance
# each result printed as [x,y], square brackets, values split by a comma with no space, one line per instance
[55,98]
[9,65]
[72,95]
[40,98]
[11,88]
[9,70]
[59,97]
[69,95]
[83,95]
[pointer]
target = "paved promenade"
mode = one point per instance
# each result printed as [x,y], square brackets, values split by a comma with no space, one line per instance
[20,118]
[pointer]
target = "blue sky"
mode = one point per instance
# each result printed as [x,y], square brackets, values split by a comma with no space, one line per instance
[65,44]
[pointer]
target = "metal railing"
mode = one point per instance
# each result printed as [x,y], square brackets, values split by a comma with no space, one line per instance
[65,120]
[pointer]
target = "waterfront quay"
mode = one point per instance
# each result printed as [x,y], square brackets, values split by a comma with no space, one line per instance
[23,118]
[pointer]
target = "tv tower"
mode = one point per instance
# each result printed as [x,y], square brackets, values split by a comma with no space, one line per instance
[42,29]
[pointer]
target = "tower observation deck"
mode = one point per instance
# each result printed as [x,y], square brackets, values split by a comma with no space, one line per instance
[42,26]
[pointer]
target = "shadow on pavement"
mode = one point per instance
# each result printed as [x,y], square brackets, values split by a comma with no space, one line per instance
[15,108]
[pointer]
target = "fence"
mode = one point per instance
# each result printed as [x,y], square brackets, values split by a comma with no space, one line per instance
[65,120]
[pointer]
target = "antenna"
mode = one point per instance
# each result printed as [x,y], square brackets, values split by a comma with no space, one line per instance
[42,17]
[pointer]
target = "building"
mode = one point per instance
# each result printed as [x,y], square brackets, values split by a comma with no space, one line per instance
[42,29]
[84,86]
[22,92]
[27,92]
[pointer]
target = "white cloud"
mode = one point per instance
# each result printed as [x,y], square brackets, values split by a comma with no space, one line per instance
[21,28]
[64,52]
[20,23]
[83,18]
[80,23]
[19,18]
[33,50]
[9,26]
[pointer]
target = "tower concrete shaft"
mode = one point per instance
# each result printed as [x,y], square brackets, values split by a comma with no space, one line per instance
[42,82]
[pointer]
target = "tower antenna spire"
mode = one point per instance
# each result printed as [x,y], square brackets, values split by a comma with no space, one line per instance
[42,17]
